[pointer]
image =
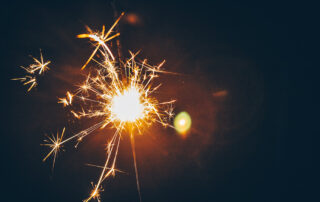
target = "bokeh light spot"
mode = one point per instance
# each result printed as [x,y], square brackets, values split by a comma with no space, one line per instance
[182,122]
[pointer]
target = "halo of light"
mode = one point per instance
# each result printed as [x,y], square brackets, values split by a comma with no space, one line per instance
[182,122]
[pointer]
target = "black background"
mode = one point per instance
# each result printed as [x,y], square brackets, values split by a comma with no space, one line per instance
[239,148]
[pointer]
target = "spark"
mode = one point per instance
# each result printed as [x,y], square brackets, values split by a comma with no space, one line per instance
[31,80]
[54,143]
[38,67]
[100,38]
[119,97]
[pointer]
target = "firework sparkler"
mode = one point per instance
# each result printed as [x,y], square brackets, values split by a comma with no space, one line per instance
[119,96]
[38,67]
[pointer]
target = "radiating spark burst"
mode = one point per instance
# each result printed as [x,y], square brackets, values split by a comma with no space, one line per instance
[54,142]
[39,66]
[119,97]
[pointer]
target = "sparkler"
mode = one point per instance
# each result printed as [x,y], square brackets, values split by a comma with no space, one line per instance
[39,66]
[121,97]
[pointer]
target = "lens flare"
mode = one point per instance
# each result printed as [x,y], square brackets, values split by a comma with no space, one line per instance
[182,122]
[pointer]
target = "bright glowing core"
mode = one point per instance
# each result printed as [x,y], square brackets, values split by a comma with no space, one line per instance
[182,122]
[126,107]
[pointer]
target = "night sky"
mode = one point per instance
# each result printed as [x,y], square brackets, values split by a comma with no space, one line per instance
[233,61]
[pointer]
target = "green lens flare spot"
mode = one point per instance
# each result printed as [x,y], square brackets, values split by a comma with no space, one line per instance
[182,122]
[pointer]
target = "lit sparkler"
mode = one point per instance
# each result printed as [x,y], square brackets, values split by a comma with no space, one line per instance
[120,97]
[39,66]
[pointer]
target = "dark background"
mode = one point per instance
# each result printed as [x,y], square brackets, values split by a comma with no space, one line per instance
[233,61]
